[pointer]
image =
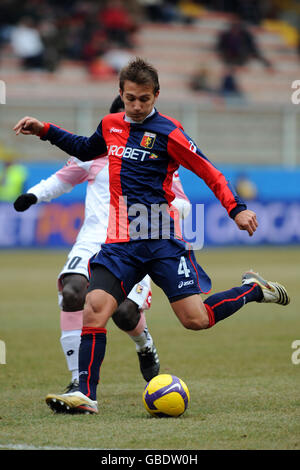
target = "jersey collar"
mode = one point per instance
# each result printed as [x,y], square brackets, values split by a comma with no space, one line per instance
[131,121]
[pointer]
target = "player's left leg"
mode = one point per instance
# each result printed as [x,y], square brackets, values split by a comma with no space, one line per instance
[72,289]
[105,293]
[99,307]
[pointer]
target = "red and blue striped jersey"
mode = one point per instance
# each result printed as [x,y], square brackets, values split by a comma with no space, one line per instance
[142,160]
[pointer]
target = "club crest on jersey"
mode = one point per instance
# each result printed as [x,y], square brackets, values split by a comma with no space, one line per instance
[148,140]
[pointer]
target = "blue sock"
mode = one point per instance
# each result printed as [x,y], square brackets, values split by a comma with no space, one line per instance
[91,354]
[224,304]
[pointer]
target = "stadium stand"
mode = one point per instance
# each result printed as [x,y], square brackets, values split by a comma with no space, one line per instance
[178,50]
[75,94]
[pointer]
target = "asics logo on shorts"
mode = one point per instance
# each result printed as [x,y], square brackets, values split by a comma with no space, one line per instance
[185,283]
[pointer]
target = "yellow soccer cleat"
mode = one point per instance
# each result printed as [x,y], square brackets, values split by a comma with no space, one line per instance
[72,403]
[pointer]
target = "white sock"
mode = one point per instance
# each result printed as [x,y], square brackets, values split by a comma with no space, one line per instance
[143,341]
[70,342]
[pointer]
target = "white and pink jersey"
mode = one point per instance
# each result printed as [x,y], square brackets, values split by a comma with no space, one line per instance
[97,200]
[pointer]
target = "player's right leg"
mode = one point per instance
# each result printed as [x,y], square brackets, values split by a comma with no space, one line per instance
[273,292]
[195,314]
[191,312]
[182,279]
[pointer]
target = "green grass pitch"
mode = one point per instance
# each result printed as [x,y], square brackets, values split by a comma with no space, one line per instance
[244,386]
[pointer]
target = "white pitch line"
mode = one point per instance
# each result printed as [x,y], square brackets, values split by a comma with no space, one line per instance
[31,447]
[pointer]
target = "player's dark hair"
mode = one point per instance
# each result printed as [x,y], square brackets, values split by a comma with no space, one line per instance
[117,105]
[141,72]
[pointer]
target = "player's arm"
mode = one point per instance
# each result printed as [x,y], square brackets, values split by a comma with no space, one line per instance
[84,148]
[182,149]
[61,182]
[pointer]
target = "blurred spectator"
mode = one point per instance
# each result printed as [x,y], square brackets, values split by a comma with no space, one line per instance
[200,81]
[117,58]
[191,9]
[245,187]
[27,44]
[42,32]
[13,177]
[99,70]
[165,11]
[9,15]
[75,39]
[229,87]
[117,23]
[154,10]
[50,36]
[250,11]
[94,46]
[237,45]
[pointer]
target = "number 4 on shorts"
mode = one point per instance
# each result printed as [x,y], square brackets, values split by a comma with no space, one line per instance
[182,267]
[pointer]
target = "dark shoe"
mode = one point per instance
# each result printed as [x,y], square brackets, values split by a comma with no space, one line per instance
[72,387]
[149,363]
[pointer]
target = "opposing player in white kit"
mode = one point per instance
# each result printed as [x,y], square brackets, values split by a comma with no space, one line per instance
[73,279]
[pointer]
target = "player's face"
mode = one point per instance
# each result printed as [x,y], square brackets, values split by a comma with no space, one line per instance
[138,100]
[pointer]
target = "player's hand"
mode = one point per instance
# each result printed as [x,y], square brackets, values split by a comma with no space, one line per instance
[23,202]
[29,125]
[246,220]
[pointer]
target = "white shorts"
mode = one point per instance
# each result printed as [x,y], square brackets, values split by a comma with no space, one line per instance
[77,263]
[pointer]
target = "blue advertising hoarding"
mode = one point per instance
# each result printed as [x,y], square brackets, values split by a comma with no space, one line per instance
[272,192]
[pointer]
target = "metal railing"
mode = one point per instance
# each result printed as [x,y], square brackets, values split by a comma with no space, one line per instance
[226,134]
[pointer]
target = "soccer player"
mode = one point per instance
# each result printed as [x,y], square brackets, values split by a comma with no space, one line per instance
[144,149]
[73,279]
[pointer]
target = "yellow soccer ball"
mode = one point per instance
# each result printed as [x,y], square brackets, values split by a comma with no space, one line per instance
[166,396]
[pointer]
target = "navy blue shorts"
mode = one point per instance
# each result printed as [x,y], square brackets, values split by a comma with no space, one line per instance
[169,264]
